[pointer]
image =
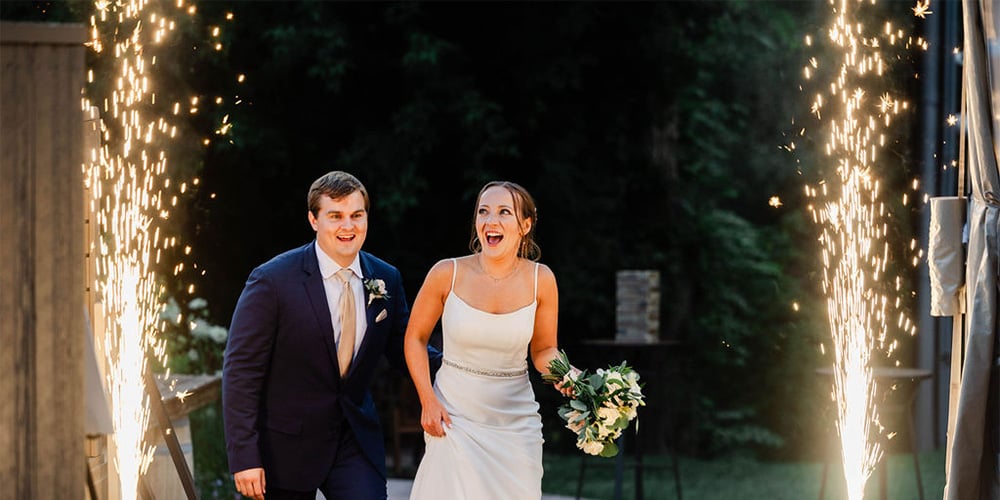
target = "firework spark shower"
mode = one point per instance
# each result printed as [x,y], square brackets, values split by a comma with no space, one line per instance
[127,179]
[857,112]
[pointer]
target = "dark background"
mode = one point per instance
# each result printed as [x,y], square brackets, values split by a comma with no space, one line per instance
[650,134]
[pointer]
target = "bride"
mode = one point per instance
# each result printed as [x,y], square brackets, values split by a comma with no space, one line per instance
[480,418]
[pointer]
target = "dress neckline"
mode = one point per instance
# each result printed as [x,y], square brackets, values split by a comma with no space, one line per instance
[451,293]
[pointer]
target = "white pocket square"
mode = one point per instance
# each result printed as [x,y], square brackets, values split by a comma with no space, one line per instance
[382,315]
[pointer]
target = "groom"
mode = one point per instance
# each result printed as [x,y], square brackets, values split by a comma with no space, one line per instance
[305,340]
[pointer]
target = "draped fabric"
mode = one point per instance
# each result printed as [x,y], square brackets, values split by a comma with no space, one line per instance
[973,471]
[946,256]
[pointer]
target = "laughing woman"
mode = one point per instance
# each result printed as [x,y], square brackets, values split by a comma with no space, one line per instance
[480,418]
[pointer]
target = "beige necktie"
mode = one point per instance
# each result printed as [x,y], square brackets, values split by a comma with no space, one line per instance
[345,350]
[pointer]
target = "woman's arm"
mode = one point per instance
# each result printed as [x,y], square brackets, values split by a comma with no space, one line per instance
[427,309]
[544,341]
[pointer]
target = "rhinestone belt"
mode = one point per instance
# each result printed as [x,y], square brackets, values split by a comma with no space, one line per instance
[488,373]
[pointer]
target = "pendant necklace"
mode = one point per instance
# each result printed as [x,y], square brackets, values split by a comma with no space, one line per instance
[496,281]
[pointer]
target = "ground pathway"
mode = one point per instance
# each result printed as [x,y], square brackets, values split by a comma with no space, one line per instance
[399,489]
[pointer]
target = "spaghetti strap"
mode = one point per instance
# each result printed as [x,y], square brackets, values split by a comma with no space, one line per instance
[454,272]
[536,281]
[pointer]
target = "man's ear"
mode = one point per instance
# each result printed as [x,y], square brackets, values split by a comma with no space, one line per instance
[312,220]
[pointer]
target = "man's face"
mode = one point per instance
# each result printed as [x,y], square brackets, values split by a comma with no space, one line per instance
[341,226]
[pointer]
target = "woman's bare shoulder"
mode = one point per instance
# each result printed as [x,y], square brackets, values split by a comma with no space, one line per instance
[545,273]
[441,272]
[546,281]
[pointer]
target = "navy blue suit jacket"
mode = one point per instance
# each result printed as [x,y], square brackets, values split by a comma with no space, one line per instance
[284,402]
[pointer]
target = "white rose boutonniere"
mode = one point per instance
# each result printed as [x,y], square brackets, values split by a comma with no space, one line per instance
[376,290]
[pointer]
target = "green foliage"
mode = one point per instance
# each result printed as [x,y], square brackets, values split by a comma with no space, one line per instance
[50,11]
[648,134]
[194,344]
[733,256]
[211,472]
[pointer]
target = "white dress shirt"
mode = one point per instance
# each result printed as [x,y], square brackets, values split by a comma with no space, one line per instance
[328,269]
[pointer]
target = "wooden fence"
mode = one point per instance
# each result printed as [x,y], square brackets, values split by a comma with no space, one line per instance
[41,253]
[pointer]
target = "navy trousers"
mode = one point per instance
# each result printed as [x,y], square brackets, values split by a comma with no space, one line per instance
[353,477]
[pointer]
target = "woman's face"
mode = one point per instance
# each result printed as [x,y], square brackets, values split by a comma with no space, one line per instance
[497,224]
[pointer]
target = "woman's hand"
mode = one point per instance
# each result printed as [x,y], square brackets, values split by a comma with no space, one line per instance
[565,387]
[434,418]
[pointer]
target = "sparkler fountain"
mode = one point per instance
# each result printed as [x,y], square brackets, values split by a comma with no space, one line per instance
[131,198]
[854,225]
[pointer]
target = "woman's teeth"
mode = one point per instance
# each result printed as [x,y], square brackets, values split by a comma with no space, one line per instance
[493,238]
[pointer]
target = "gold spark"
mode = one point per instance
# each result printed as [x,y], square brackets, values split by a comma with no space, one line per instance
[774,202]
[885,103]
[921,9]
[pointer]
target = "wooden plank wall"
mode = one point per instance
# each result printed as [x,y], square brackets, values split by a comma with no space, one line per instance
[42,72]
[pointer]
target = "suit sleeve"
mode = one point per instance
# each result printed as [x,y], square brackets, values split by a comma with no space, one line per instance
[245,364]
[394,344]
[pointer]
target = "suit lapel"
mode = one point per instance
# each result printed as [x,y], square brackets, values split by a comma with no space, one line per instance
[317,297]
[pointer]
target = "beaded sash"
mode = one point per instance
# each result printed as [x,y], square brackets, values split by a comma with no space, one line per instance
[487,373]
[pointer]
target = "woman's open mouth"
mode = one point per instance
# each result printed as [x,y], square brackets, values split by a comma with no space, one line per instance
[493,238]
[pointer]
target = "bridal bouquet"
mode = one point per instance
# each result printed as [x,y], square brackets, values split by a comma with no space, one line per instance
[602,405]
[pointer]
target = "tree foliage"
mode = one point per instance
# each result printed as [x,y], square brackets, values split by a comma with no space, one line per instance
[647,132]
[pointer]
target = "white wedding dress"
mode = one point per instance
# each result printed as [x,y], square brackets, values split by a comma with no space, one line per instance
[493,449]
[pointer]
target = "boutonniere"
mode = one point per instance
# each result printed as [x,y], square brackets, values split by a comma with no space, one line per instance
[376,290]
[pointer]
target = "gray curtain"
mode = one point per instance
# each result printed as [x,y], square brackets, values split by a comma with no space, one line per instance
[973,472]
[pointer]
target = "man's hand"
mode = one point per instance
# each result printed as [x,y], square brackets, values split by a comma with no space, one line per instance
[250,483]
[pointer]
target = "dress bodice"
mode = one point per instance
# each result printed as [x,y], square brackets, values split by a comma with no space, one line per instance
[484,340]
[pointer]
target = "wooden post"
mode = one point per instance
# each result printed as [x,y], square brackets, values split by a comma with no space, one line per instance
[41,245]
[958,331]
[99,462]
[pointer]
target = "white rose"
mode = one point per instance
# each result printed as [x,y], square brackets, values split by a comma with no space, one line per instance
[218,334]
[603,431]
[629,412]
[200,329]
[575,426]
[632,379]
[590,447]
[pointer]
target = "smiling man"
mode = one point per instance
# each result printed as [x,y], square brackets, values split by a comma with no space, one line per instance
[305,340]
